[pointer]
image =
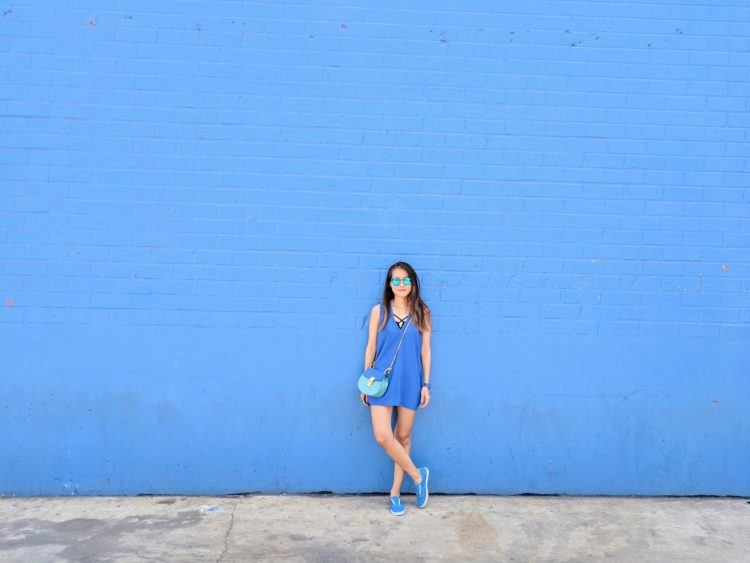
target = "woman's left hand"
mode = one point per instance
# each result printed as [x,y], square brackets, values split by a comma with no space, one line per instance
[425,398]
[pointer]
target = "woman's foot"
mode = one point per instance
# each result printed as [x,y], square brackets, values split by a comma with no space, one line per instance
[397,509]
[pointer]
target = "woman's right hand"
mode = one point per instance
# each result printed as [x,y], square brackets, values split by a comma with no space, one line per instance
[363,398]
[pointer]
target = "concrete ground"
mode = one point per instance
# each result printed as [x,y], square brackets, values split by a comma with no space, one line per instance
[360,528]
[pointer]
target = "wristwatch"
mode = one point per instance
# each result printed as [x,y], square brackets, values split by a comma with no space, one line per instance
[426,385]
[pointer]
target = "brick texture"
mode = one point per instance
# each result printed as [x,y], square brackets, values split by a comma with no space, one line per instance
[569,167]
[194,195]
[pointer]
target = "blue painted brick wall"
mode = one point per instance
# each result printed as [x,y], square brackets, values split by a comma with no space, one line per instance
[198,201]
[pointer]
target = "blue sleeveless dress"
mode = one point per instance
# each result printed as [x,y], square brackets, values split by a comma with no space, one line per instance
[405,384]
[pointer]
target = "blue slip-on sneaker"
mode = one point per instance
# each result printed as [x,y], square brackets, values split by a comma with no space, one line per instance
[397,509]
[423,492]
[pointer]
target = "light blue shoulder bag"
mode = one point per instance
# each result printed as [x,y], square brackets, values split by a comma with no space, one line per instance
[374,381]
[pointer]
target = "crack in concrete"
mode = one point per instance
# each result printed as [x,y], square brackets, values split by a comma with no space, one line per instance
[229,531]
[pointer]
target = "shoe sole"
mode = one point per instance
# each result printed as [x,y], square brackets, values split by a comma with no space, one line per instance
[426,488]
[398,513]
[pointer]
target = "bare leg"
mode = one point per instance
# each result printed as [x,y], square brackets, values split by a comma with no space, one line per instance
[404,424]
[381,428]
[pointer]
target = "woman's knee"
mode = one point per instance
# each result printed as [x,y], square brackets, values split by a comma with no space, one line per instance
[383,438]
[403,438]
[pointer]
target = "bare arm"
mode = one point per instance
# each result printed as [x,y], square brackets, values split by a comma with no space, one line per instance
[426,360]
[426,349]
[372,338]
[372,343]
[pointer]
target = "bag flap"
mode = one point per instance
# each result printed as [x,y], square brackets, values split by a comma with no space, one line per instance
[377,373]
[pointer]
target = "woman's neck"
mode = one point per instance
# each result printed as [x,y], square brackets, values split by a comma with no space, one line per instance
[399,303]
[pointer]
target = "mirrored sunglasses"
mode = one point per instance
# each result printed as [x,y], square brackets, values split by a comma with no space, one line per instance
[397,281]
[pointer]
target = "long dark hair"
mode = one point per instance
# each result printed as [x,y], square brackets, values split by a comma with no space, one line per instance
[419,310]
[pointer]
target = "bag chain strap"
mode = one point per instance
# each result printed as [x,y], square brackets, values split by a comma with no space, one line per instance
[390,367]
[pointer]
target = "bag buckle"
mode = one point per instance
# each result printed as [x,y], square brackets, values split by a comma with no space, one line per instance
[370,382]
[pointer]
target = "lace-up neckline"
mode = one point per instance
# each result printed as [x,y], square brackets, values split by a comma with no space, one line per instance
[399,320]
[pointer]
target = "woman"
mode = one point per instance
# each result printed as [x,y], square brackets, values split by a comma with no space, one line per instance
[401,309]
